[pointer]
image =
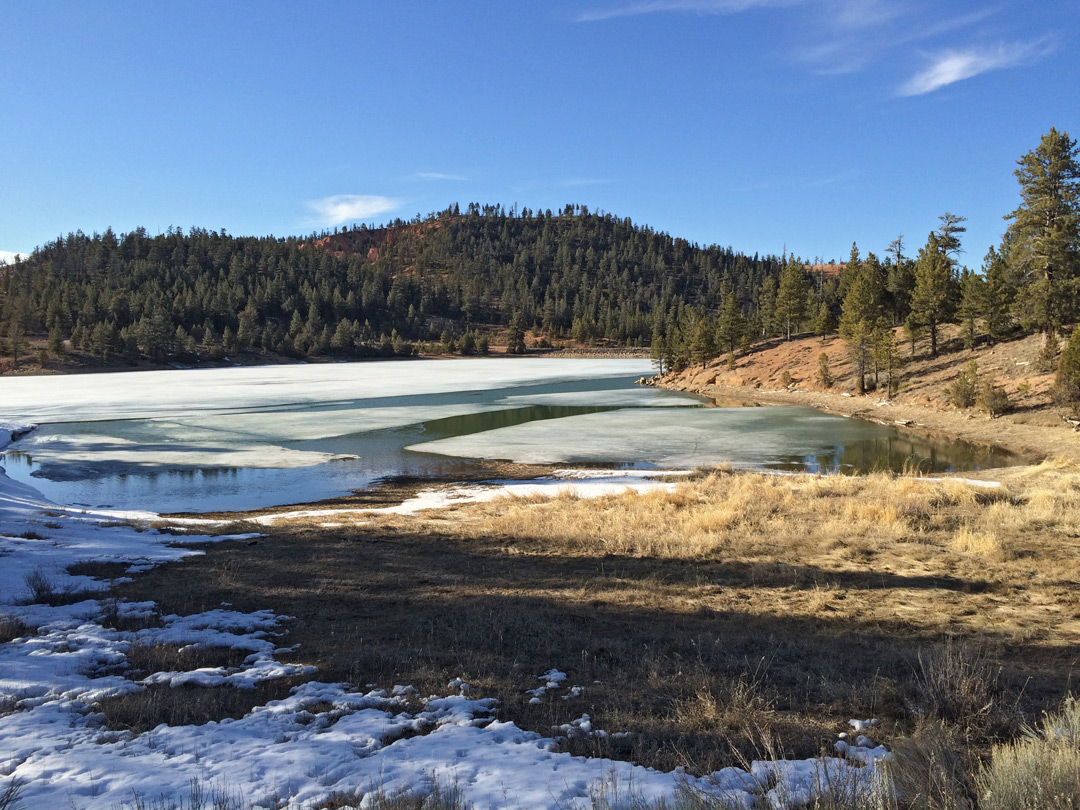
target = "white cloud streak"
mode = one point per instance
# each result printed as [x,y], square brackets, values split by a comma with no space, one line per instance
[342,208]
[954,66]
[8,256]
[440,176]
[684,6]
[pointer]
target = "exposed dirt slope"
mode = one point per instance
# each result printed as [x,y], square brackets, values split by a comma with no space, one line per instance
[1034,426]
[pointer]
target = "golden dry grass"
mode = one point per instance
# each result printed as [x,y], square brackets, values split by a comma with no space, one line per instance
[694,618]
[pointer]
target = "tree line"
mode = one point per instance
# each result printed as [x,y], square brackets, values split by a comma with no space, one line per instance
[1030,282]
[455,278]
[452,278]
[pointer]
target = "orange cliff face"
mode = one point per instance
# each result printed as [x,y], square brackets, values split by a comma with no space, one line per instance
[368,242]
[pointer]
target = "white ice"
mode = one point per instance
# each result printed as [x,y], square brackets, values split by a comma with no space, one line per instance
[130,395]
[741,437]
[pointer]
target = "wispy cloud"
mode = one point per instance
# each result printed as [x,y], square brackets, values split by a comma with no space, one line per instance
[954,66]
[439,176]
[8,256]
[928,29]
[640,7]
[350,207]
[859,14]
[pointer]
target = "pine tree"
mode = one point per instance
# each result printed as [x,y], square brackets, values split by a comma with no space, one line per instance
[702,346]
[766,307]
[1045,231]
[932,298]
[858,320]
[972,305]
[999,292]
[824,323]
[1067,381]
[791,297]
[56,340]
[886,358]
[515,335]
[900,281]
[731,324]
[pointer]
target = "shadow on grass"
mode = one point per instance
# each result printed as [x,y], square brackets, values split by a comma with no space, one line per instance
[694,684]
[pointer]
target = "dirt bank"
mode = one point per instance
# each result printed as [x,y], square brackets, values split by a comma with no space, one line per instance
[1033,428]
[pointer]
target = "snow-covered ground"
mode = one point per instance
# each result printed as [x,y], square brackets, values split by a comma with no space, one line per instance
[325,738]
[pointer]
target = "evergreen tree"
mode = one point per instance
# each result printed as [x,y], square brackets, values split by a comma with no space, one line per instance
[766,308]
[1067,381]
[900,281]
[999,293]
[912,330]
[931,301]
[949,234]
[702,346]
[16,331]
[1045,232]
[858,321]
[658,351]
[247,332]
[972,305]
[791,297]
[824,323]
[56,340]
[730,325]
[886,358]
[515,336]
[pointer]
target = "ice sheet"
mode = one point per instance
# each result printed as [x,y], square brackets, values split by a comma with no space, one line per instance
[664,437]
[127,395]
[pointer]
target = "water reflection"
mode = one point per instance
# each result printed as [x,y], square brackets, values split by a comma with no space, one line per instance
[902,452]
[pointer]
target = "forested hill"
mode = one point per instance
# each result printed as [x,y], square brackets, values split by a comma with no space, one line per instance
[458,278]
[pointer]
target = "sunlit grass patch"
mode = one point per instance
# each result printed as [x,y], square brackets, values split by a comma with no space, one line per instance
[968,541]
[1039,770]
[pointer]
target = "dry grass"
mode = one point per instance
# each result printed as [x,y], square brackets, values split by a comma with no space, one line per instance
[1041,770]
[12,628]
[187,705]
[146,659]
[739,514]
[698,619]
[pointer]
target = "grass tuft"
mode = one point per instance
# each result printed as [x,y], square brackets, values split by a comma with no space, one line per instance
[957,682]
[1040,770]
[11,795]
[12,628]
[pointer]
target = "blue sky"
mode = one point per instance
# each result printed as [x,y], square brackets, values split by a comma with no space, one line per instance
[758,124]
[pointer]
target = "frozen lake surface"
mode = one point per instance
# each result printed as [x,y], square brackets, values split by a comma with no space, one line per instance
[242,438]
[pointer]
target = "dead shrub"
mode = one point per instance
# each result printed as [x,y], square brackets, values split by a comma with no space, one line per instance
[956,682]
[12,628]
[1040,770]
[928,771]
[43,591]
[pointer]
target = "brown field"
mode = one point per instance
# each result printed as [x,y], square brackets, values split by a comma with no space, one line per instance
[739,611]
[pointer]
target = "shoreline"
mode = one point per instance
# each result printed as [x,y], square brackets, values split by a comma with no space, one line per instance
[1030,440]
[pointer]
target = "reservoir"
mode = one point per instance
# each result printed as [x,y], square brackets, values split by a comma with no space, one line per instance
[242,438]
